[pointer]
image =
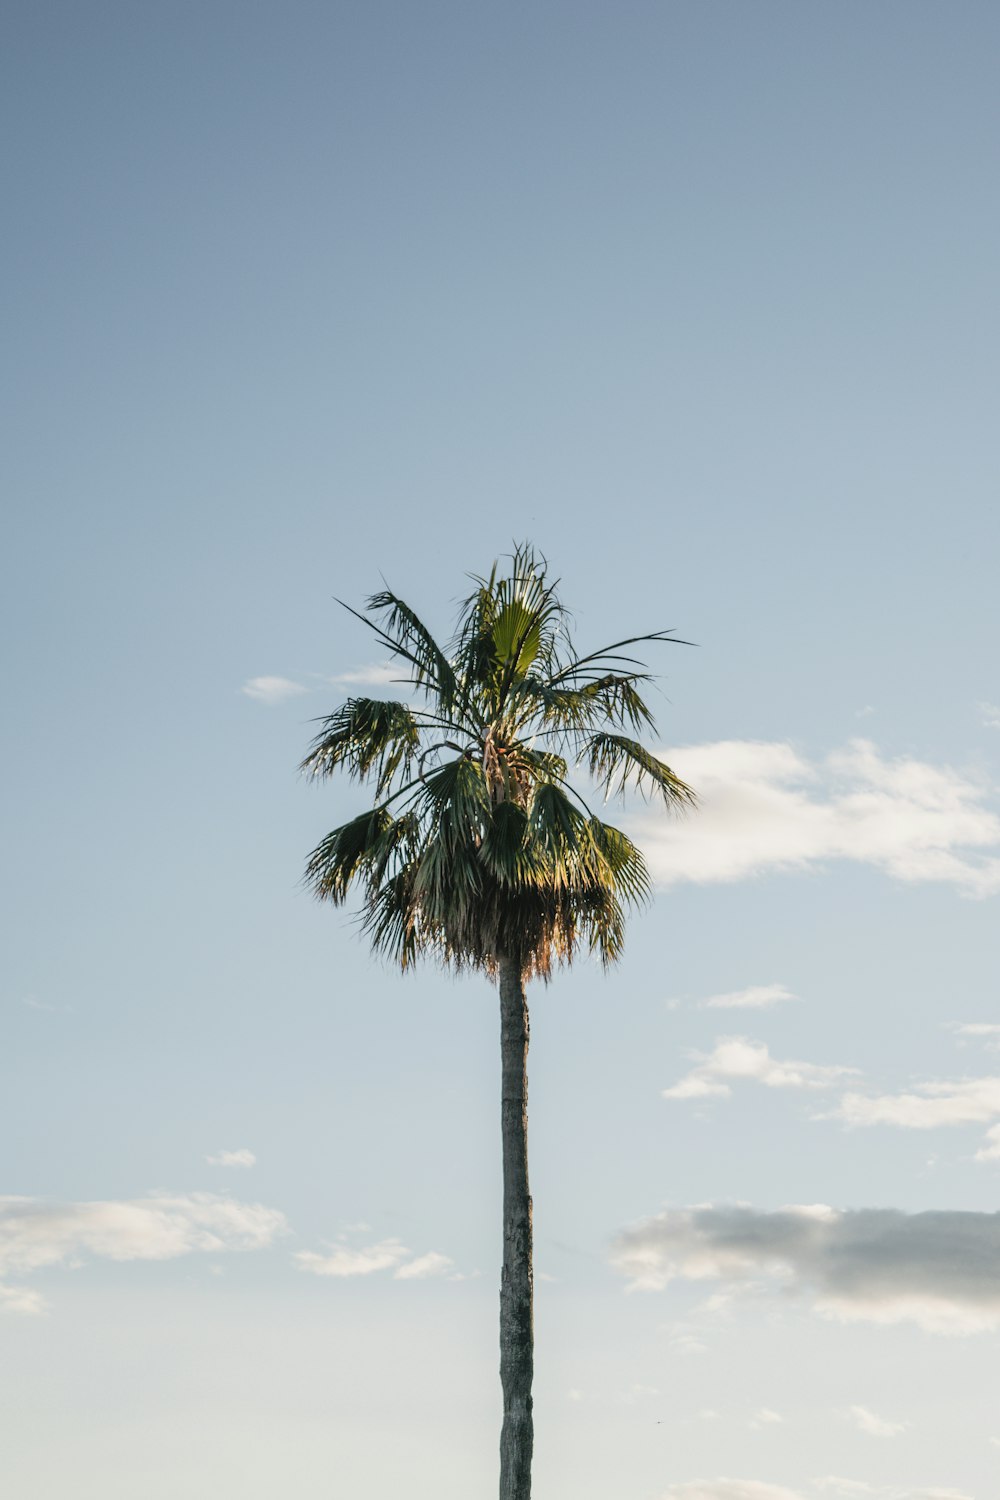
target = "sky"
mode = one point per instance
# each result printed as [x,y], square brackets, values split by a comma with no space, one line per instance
[702,300]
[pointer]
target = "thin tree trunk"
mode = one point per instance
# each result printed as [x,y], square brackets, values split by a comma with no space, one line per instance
[517,1336]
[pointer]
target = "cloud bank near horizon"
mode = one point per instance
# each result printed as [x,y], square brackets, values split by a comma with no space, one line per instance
[939,1269]
[832,1486]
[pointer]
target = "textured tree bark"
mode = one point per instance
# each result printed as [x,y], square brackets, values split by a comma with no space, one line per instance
[517,1334]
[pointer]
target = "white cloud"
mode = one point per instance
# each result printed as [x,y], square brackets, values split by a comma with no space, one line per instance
[638,1392]
[963,1101]
[345,1261]
[21,1299]
[682,1338]
[765,1417]
[739,1058]
[848,1488]
[161,1226]
[933,1104]
[729,1489]
[932,1494]
[844,1486]
[763,807]
[386,1255]
[939,1269]
[991,1150]
[697,1086]
[239,1158]
[158,1227]
[431,1264]
[757,997]
[272,689]
[874,1425]
[984,1031]
[989,714]
[375,674]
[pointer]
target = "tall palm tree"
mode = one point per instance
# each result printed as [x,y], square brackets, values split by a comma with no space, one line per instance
[480,851]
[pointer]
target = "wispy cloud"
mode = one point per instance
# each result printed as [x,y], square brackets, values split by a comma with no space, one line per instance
[928,1106]
[738,1058]
[989,714]
[375,674]
[344,1260]
[939,1269]
[431,1264]
[347,1260]
[272,690]
[35,1234]
[991,1150]
[729,1489]
[982,1031]
[765,1417]
[874,1425]
[847,1489]
[239,1158]
[756,997]
[833,1487]
[835,1483]
[22,1299]
[764,807]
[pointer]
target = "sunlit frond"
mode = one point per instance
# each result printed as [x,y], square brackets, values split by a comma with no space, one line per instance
[614,761]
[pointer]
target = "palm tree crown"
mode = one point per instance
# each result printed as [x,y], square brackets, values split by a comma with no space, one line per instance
[479,847]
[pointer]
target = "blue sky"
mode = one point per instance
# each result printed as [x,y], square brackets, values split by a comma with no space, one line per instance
[703,300]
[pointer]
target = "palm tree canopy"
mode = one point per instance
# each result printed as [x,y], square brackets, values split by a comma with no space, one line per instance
[479,846]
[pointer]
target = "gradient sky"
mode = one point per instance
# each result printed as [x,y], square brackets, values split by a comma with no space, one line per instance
[702,299]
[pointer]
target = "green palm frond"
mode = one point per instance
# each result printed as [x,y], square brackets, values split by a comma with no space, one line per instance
[345,852]
[540,765]
[405,636]
[615,760]
[362,736]
[508,853]
[480,845]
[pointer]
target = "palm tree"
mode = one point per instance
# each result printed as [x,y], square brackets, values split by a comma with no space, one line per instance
[481,853]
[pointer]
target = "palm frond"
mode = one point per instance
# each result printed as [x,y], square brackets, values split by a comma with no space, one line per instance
[507,626]
[541,765]
[624,863]
[406,636]
[614,760]
[365,735]
[344,853]
[609,698]
[597,659]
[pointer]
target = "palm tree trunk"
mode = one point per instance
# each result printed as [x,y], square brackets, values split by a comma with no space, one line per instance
[517,1336]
